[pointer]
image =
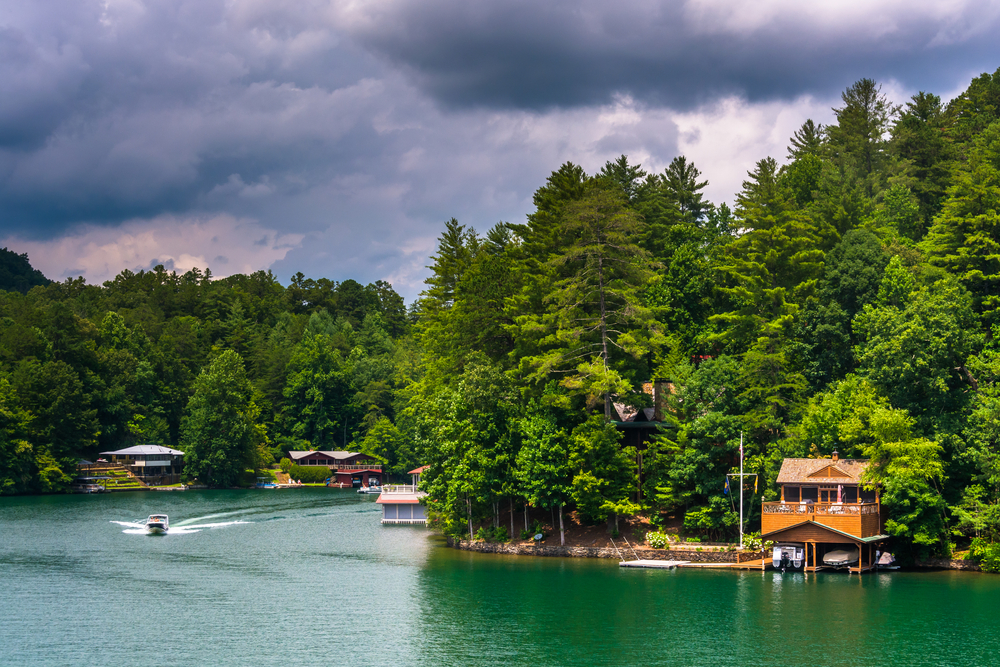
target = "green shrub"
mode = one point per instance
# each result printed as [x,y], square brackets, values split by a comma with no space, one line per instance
[536,527]
[753,542]
[657,540]
[310,474]
[987,554]
[285,465]
[498,534]
[692,539]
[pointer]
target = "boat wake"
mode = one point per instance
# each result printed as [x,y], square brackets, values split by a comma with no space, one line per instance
[139,528]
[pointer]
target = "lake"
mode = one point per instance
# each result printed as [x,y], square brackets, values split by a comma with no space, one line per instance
[310,577]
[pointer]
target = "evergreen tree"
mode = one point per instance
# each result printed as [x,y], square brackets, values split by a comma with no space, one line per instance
[807,140]
[595,313]
[965,237]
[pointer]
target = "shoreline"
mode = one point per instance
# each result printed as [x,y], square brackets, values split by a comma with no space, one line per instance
[646,553]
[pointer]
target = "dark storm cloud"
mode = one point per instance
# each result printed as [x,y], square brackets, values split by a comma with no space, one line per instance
[344,132]
[110,110]
[525,54]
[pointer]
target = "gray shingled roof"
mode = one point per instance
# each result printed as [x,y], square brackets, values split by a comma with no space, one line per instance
[799,470]
[144,449]
[298,454]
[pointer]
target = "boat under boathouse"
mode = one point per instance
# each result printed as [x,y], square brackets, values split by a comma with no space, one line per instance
[824,508]
[401,502]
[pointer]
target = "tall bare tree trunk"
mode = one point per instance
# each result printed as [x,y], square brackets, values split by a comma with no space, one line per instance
[468,505]
[511,499]
[562,532]
[604,335]
[526,526]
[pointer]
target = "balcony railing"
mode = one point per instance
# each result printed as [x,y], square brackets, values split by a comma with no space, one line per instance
[399,488]
[344,466]
[857,509]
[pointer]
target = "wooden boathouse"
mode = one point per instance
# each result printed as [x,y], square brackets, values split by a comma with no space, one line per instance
[824,507]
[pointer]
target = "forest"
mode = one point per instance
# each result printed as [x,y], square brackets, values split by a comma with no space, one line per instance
[847,301]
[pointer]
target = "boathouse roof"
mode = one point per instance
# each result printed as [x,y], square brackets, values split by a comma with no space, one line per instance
[818,471]
[142,450]
[418,471]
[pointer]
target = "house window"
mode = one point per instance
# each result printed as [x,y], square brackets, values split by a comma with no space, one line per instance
[791,494]
[828,494]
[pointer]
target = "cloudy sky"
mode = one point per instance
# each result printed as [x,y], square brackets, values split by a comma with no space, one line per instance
[334,137]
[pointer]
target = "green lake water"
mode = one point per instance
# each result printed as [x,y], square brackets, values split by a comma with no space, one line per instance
[309,577]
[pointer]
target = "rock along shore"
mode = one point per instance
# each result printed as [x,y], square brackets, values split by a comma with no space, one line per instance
[644,553]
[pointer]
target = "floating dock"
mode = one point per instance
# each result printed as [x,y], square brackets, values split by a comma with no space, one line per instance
[654,564]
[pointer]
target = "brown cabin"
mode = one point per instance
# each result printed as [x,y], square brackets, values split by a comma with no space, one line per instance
[824,507]
[352,469]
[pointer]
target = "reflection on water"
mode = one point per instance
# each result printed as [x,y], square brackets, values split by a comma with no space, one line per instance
[308,576]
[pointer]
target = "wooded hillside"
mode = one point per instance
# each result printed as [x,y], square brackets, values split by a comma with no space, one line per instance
[849,301]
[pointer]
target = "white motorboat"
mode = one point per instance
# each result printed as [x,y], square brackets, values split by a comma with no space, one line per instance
[370,489]
[157,524]
[788,557]
[841,557]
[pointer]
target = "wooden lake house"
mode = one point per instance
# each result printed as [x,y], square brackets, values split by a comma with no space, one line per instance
[348,468]
[825,508]
[401,502]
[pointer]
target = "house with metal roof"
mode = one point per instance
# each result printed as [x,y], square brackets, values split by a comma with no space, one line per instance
[149,462]
[824,507]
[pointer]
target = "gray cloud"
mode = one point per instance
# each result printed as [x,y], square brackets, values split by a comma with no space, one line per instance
[523,54]
[351,130]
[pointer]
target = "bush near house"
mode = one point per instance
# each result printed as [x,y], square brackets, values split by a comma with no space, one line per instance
[309,474]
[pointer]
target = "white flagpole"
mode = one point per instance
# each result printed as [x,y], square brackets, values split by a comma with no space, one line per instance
[741,490]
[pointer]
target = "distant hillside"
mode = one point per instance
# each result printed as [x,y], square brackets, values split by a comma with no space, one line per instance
[16,273]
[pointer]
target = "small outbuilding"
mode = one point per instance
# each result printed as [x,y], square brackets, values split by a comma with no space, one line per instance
[401,502]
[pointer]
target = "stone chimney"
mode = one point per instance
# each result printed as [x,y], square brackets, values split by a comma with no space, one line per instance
[835,456]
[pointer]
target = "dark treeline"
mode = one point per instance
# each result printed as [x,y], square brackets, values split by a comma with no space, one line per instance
[233,371]
[848,301]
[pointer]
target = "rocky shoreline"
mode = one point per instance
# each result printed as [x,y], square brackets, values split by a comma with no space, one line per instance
[645,553]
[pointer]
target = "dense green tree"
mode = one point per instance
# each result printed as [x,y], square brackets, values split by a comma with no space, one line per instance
[17,274]
[965,237]
[807,140]
[595,316]
[771,267]
[221,436]
[317,393]
[860,135]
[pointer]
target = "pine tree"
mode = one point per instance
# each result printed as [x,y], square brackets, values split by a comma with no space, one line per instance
[594,312]
[771,267]
[965,236]
[807,140]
